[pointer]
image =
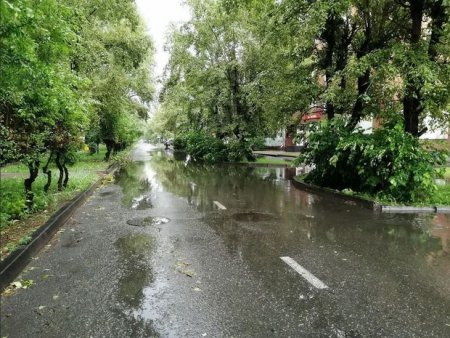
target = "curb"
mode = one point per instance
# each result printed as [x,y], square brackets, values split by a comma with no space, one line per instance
[362,202]
[369,204]
[405,209]
[14,263]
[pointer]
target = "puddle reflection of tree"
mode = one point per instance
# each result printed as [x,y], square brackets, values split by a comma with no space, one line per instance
[202,184]
[136,272]
[134,184]
[440,230]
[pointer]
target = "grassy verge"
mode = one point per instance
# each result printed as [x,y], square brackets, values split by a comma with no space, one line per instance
[440,198]
[447,172]
[16,224]
[268,160]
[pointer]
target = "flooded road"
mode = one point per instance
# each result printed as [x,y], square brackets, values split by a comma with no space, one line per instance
[184,250]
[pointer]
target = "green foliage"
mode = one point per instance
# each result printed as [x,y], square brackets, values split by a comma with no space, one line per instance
[208,81]
[12,198]
[238,150]
[388,164]
[441,196]
[180,142]
[24,240]
[70,68]
[205,148]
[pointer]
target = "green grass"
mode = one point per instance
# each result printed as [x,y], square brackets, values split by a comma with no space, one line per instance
[12,194]
[268,160]
[85,161]
[447,172]
[442,195]
[440,198]
[16,223]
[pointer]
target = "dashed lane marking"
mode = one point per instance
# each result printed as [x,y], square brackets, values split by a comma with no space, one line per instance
[313,280]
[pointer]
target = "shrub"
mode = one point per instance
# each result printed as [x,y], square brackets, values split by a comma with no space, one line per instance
[206,148]
[238,150]
[203,147]
[389,164]
[180,142]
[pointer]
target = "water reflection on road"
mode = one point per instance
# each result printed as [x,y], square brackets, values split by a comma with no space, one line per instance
[266,217]
[269,190]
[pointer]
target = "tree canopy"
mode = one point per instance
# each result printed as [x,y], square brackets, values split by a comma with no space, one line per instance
[244,67]
[69,70]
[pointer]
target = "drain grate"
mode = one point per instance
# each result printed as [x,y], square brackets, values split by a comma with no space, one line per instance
[147,221]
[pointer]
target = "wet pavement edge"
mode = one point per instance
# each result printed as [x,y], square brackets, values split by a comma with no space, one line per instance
[13,264]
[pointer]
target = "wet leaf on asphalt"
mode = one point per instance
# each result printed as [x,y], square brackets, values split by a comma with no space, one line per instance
[39,310]
[16,285]
[182,264]
[26,283]
[187,272]
[23,284]
[181,267]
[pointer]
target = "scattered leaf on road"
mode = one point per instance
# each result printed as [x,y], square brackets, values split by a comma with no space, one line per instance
[187,272]
[23,284]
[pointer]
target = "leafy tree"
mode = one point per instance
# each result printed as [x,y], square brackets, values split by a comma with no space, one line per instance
[208,76]
[66,65]
[115,55]
[38,95]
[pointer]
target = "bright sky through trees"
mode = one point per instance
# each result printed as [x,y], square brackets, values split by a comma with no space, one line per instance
[158,15]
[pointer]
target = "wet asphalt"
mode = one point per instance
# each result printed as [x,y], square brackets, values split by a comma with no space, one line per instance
[152,255]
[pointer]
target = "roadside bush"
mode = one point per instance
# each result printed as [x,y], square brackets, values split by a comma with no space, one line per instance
[237,151]
[388,164]
[201,147]
[205,148]
[257,143]
[180,142]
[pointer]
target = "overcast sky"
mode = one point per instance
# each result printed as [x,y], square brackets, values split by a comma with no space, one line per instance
[157,15]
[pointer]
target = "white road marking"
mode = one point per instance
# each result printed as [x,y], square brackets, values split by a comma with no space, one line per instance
[313,280]
[220,206]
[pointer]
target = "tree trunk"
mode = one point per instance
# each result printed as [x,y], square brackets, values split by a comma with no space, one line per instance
[48,173]
[61,171]
[412,99]
[66,174]
[109,147]
[438,18]
[33,167]
[330,40]
[233,80]
[358,108]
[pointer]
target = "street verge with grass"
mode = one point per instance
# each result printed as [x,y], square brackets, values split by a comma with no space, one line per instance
[17,223]
[441,197]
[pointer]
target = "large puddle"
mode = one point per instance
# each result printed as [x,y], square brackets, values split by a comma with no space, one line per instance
[262,217]
[265,195]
